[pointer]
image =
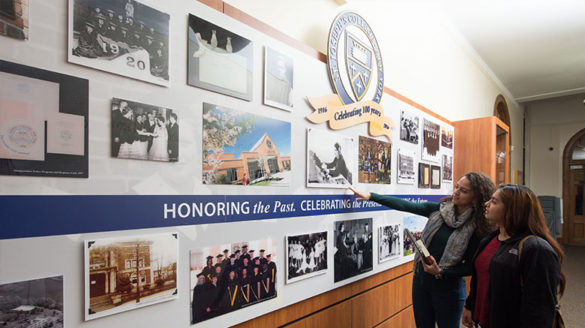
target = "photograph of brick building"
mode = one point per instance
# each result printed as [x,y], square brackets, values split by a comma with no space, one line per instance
[244,149]
[14,19]
[126,273]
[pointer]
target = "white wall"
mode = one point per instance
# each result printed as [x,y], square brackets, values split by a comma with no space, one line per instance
[550,123]
[425,58]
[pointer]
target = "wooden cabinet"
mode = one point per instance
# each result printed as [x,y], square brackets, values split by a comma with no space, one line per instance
[483,145]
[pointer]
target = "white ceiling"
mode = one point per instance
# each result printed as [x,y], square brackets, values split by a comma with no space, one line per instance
[536,48]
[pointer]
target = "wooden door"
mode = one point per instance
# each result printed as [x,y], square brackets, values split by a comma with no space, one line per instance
[576,209]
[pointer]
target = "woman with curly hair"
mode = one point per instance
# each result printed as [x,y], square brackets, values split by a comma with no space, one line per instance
[517,268]
[456,225]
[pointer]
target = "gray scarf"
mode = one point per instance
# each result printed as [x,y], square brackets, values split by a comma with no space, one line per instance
[457,243]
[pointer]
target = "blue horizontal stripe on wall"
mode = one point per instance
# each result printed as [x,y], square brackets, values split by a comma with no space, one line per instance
[36,216]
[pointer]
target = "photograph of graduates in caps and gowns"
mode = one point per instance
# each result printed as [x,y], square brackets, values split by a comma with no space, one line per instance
[228,277]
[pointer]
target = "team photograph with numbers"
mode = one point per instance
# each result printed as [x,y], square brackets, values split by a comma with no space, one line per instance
[228,277]
[306,255]
[353,248]
[32,303]
[330,159]
[141,131]
[389,242]
[125,37]
[125,273]
[431,143]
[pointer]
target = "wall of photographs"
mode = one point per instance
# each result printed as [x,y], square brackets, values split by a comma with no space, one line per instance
[123,100]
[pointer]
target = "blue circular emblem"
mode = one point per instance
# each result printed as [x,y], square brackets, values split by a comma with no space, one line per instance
[354,60]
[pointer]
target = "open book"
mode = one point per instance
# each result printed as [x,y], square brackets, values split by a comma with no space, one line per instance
[420,247]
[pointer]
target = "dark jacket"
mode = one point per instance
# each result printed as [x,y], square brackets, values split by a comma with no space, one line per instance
[511,303]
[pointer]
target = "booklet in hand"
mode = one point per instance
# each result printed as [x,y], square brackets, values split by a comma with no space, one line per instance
[420,247]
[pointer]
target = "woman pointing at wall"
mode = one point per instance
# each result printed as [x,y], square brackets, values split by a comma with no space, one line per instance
[456,225]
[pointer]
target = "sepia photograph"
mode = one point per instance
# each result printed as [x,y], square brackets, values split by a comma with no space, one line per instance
[228,277]
[447,168]
[409,127]
[278,79]
[415,224]
[306,256]
[353,248]
[32,303]
[219,60]
[244,149]
[424,175]
[41,132]
[141,131]
[446,137]
[14,19]
[126,273]
[124,37]
[405,165]
[374,161]
[389,242]
[435,177]
[430,144]
[330,159]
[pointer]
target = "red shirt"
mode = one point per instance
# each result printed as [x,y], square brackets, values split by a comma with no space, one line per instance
[482,265]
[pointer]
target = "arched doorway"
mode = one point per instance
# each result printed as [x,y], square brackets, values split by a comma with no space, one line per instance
[502,113]
[574,190]
[501,110]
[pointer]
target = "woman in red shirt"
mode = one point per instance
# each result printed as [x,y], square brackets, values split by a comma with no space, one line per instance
[509,287]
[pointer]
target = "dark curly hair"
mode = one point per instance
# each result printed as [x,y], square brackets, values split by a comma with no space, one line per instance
[482,188]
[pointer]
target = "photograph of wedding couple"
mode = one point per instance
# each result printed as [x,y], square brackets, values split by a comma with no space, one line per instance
[141,131]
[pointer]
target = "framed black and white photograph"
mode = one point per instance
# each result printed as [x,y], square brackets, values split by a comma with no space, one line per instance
[278,79]
[406,168]
[389,242]
[306,256]
[126,273]
[32,303]
[424,175]
[353,248]
[435,177]
[330,160]
[431,143]
[409,127]
[447,168]
[232,276]
[42,132]
[219,60]
[125,37]
[14,18]
[141,131]
[446,137]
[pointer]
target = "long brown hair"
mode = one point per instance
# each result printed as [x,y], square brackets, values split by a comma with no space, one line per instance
[523,212]
[482,188]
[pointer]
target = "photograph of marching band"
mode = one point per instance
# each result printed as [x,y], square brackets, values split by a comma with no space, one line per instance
[415,224]
[430,145]
[228,277]
[330,159]
[141,131]
[408,127]
[353,248]
[307,256]
[374,161]
[388,242]
[125,37]
[219,60]
[125,273]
